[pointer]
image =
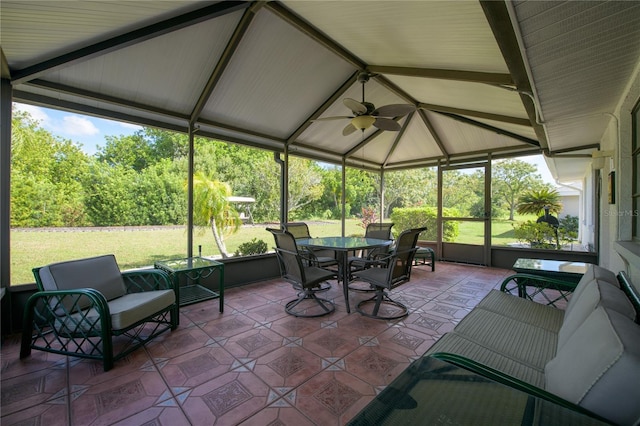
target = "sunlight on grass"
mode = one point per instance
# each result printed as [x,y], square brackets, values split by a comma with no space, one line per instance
[136,247]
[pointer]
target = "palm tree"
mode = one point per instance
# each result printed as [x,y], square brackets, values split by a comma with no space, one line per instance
[537,200]
[212,208]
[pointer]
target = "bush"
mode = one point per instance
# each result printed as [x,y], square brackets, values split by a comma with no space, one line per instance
[254,246]
[417,217]
[540,235]
[568,229]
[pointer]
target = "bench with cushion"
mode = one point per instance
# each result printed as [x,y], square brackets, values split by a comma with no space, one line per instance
[425,256]
[584,357]
[88,308]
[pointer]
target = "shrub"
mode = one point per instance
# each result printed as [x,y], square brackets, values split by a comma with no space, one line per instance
[255,246]
[416,217]
[568,229]
[541,235]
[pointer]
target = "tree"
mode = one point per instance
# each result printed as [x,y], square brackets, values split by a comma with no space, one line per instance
[535,201]
[211,208]
[46,175]
[305,184]
[510,179]
[408,188]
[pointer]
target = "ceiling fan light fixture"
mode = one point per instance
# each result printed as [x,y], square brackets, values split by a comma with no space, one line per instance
[363,122]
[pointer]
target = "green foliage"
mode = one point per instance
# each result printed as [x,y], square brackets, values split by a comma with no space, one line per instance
[535,201]
[510,178]
[46,188]
[540,235]
[408,188]
[568,229]
[255,246]
[211,208]
[416,217]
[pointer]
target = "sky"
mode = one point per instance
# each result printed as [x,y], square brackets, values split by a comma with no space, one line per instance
[90,132]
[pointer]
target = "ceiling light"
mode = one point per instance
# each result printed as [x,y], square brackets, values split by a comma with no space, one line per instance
[363,122]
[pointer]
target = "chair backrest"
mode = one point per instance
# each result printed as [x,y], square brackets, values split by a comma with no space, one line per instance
[400,269]
[297,229]
[381,231]
[100,273]
[291,267]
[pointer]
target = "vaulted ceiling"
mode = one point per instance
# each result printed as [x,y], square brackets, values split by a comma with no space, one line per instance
[495,77]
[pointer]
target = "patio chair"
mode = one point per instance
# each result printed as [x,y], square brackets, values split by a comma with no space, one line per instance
[381,231]
[397,270]
[307,280]
[89,309]
[319,257]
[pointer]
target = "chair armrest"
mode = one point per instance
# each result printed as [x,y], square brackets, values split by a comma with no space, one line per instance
[528,286]
[507,380]
[147,280]
[69,308]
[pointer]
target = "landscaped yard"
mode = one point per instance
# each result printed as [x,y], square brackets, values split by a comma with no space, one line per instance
[139,247]
[136,246]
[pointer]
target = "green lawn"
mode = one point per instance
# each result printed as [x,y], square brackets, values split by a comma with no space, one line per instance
[134,248]
[142,247]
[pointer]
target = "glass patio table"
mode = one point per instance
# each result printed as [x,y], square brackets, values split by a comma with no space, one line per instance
[343,245]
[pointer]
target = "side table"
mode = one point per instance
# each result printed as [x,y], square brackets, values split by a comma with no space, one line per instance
[194,269]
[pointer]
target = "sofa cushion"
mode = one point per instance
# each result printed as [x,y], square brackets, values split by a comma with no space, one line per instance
[523,310]
[458,344]
[594,272]
[605,380]
[596,292]
[100,273]
[525,343]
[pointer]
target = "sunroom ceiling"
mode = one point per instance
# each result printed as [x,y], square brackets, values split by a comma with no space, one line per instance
[258,73]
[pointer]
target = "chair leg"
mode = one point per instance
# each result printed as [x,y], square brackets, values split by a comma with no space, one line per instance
[381,298]
[308,294]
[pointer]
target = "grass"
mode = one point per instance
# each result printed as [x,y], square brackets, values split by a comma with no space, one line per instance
[138,247]
[134,247]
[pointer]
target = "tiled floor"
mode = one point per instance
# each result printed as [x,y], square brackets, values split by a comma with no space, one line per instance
[252,365]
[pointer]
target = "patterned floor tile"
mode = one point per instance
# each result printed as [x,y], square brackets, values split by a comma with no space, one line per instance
[251,365]
[227,400]
[332,398]
[197,367]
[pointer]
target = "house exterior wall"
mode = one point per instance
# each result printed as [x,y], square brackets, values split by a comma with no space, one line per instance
[619,252]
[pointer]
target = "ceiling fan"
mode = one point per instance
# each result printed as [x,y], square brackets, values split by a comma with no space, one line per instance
[365,114]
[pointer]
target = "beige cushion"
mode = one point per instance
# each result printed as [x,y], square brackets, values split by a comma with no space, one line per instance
[523,310]
[125,311]
[522,342]
[594,272]
[100,273]
[458,344]
[595,293]
[599,367]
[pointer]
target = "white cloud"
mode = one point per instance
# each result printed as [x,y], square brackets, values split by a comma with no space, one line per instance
[74,125]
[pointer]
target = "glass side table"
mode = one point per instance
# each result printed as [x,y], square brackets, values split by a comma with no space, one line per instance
[435,392]
[194,269]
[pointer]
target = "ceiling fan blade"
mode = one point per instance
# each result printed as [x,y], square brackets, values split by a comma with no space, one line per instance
[354,106]
[350,128]
[394,110]
[341,117]
[386,124]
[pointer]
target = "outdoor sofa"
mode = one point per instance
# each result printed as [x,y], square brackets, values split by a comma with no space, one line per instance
[586,356]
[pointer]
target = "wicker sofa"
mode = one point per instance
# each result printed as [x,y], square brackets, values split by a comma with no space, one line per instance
[586,357]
